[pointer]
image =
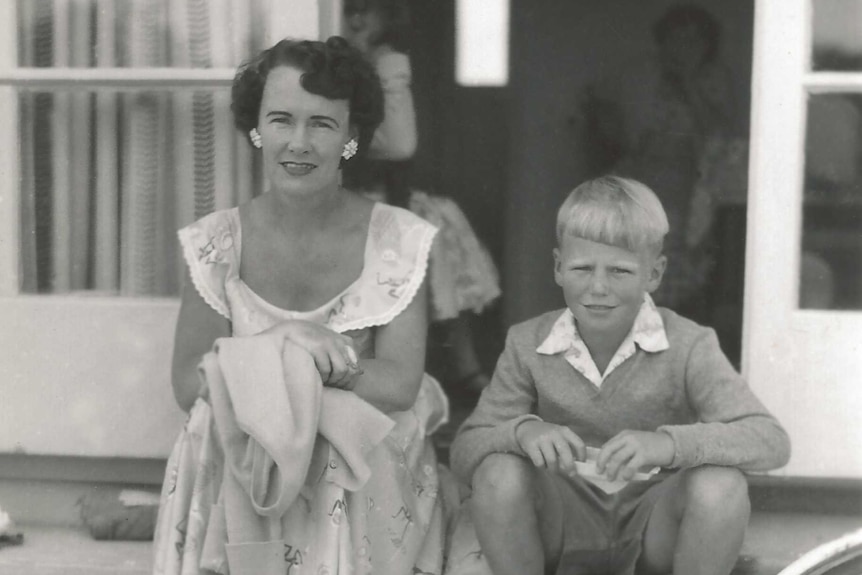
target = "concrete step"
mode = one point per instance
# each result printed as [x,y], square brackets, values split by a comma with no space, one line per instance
[773,541]
[55,550]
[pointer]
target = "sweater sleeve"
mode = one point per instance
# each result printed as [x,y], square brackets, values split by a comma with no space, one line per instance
[734,428]
[396,138]
[508,400]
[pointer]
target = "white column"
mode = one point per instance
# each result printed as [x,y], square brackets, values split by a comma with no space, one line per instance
[329,18]
[293,19]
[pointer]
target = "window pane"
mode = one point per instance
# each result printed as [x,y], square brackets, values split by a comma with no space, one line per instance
[108,178]
[139,33]
[831,262]
[837,33]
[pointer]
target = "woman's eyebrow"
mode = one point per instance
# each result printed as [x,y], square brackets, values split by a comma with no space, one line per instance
[328,118]
[278,113]
[315,117]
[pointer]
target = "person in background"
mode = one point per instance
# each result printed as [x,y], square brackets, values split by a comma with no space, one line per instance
[463,278]
[654,121]
[338,277]
[629,386]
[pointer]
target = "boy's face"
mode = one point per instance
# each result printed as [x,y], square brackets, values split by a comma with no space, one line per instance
[604,285]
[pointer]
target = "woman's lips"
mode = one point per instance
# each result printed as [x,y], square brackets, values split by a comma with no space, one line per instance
[298,168]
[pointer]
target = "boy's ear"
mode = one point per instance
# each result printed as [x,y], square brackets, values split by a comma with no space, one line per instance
[558,275]
[656,272]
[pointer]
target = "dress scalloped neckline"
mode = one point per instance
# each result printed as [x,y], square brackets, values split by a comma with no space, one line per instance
[236,223]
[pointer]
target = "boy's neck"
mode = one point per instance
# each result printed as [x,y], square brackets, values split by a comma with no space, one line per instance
[603,346]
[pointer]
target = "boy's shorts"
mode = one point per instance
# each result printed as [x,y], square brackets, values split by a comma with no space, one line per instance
[602,533]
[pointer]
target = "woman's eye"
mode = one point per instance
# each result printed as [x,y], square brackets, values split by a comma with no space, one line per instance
[320,124]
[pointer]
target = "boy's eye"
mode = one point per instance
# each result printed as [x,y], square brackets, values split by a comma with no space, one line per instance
[621,271]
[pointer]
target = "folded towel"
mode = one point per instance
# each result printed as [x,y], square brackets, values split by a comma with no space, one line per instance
[270,405]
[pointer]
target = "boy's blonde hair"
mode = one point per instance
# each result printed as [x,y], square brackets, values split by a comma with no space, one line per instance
[615,211]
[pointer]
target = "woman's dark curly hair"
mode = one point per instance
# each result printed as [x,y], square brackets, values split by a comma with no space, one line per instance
[680,15]
[332,69]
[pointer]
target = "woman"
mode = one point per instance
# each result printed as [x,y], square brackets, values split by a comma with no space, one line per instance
[340,278]
[463,278]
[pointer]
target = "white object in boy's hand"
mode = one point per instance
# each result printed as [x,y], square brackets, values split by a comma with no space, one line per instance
[587,470]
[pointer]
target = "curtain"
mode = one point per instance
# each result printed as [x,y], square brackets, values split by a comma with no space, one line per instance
[107,176]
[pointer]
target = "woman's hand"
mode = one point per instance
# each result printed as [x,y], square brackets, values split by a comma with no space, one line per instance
[629,451]
[333,353]
[554,447]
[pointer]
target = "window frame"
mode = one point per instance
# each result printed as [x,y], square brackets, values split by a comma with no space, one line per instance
[804,364]
[88,375]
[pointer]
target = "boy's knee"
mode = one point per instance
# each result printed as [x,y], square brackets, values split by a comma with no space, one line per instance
[717,490]
[502,479]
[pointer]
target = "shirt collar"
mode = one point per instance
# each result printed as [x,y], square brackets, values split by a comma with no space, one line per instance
[647,332]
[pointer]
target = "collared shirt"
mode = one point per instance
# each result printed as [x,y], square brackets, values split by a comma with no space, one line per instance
[647,333]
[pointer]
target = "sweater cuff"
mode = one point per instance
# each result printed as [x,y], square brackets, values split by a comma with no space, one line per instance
[685,449]
[511,435]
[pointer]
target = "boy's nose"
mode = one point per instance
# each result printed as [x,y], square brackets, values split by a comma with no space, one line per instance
[599,283]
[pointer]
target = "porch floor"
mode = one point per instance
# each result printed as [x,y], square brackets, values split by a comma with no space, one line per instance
[773,540]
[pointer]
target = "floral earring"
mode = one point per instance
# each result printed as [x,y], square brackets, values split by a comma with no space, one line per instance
[255,138]
[350,149]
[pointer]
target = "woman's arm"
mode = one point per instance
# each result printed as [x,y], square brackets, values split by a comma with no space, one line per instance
[390,381]
[198,326]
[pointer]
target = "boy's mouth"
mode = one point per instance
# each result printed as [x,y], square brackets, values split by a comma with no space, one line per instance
[599,307]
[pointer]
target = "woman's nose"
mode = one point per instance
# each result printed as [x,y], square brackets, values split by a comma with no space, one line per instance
[298,140]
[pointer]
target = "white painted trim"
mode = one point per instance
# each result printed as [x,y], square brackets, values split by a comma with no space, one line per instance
[775,170]
[87,376]
[117,78]
[330,18]
[10,243]
[805,365]
[819,82]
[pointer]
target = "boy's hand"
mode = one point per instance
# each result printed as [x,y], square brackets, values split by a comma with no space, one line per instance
[554,447]
[629,451]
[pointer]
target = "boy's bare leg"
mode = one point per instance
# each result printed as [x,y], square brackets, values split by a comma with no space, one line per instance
[518,523]
[698,527]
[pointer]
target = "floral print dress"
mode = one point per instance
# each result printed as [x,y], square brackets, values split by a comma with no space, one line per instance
[395,522]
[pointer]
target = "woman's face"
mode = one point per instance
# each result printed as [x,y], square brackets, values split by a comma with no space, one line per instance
[302,134]
[363,24]
[683,51]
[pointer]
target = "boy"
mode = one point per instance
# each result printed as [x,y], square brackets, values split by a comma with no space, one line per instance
[644,385]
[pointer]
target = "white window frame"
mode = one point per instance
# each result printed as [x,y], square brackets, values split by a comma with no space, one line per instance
[805,364]
[89,375]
